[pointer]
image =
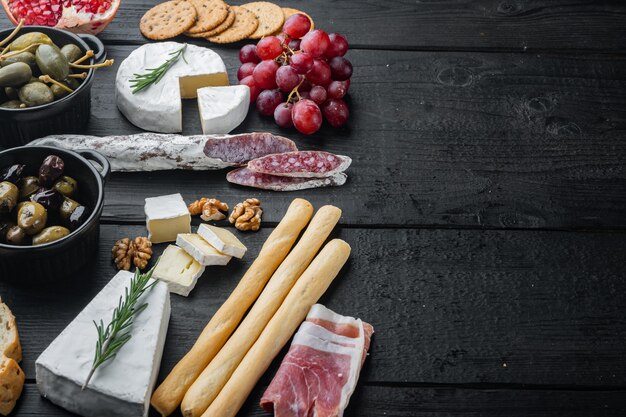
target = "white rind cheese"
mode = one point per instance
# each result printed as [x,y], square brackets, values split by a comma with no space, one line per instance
[222,109]
[159,108]
[201,250]
[166,217]
[222,240]
[121,386]
[178,270]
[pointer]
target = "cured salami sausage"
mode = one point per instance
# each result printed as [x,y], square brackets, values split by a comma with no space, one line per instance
[156,151]
[243,176]
[304,164]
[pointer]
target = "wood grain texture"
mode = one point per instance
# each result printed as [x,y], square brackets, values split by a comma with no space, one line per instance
[577,25]
[462,306]
[380,401]
[437,139]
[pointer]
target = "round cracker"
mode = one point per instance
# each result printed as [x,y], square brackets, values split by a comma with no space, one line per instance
[244,25]
[211,13]
[221,28]
[288,11]
[271,18]
[168,20]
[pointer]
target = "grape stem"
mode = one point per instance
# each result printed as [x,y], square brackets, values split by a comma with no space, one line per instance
[295,90]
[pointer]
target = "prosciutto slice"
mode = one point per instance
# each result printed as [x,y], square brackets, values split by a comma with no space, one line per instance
[320,372]
[157,151]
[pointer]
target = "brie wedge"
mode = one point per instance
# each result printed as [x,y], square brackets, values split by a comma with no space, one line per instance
[178,270]
[166,217]
[201,250]
[222,240]
[121,386]
[158,108]
[223,108]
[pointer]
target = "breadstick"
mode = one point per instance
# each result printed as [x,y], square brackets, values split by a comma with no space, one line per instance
[212,379]
[307,290]
[171,391]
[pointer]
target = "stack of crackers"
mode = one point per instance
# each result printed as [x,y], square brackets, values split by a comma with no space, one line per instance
[214,20]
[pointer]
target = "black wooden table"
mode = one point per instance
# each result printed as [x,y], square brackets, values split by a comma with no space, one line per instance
[486,207]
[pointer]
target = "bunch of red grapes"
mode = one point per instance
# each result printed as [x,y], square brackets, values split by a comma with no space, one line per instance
[299,76]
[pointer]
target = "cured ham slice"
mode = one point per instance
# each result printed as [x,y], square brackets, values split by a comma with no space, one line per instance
[320,372]
[304,164]
[244,176]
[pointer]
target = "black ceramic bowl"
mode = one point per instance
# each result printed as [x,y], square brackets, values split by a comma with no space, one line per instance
[67,115]
[60,259]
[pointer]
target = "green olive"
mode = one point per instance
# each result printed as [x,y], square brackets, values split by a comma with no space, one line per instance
[8,196]
[72,52]
[29,39]
[72,83]
[52,62]
[12,104]
[32,217]
[67,208]
[11,93]
[50,234]
[25,57]
[16,235]
[28,186]
[66,185]
[36,94]
[15,75]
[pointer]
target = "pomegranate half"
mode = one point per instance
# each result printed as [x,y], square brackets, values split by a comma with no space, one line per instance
[79,16]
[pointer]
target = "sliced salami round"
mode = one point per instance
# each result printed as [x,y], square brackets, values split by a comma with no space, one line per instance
[239,149]
[303,164]
[243,176]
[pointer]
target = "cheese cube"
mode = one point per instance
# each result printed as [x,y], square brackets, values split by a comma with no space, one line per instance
[166,217]
[201,250]
[223,240]
[222,109]
[178,270]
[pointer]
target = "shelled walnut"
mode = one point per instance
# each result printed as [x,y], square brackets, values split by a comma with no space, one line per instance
[143,252]
[247,215]
[208,208]
[128,252]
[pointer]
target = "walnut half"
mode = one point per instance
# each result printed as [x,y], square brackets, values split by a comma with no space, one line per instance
[247,215]
[128,252]
[208,208]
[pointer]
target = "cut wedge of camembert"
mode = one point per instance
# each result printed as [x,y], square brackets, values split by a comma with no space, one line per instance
[178,270]
[201,250]
[223,108]
[158,108]
[122,386]
[166,217]
[222,240]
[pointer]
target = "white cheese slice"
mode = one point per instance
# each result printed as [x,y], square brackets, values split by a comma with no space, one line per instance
[222,109]
[178,270]
[122,386]
[201,250]
[222,240]
[166,217]
[158,108]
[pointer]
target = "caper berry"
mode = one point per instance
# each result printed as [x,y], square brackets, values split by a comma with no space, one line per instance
[28,186]
[8,196]
[51,169]
[50,234]
[32,217]
[15,75]
[28,39]
[12,104]
[11,93]
[35,94]
[71,52]
[52,62]
[66,186]
[16,235]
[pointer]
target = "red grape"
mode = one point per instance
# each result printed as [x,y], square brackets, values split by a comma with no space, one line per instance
[294,44]
[307,117]
[287,78]
[338,45]
[282,37]
[248,54]
[267,101]
[340,68]
[245,70]
[338,89]
[318,94]
[305,86]
[315,43]
[265,75]
[254,90]
[301,62]
[336,112]
[319,74]
[304,94]
[269,47]
[297,25]
[282,115]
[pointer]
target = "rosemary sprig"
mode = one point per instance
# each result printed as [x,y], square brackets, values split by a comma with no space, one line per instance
[115,335]
[145,80]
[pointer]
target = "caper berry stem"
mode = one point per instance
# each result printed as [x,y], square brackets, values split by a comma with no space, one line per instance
[12,35]
[80,76]
[48,79]
[88,55]
[13,53]
[106,63]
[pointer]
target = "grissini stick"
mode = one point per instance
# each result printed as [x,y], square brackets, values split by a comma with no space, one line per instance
[214,377]
[306,292]
[170,393]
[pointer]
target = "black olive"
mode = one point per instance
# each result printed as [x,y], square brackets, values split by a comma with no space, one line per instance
[12,173]
[51,169]
[78,217]
[50,198]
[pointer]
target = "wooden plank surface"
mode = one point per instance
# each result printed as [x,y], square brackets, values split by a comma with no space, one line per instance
[537,25]
[459,306]
[438,139]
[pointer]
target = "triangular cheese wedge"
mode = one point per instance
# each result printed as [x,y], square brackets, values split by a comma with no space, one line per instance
[122,386]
